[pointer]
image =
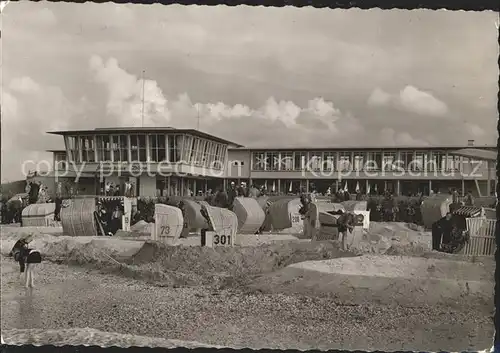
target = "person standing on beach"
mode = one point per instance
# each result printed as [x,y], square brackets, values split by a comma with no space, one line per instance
[58,206]
[27,259]
[441,231]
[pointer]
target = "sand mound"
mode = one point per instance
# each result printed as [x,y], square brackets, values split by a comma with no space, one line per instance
[175,266]
[393,239]
[141,227]
[388,280]
[399,267]
[90,337]
[233,261]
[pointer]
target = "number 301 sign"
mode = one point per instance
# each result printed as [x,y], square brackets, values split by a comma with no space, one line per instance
[222,240]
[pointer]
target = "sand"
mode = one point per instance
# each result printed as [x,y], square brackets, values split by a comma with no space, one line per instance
[78,298]
[91,337]
[277,292]
[389,280]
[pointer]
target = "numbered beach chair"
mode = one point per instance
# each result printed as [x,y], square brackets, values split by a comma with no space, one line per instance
[169,223]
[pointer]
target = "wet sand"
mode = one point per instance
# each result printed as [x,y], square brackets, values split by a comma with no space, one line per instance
[72,297]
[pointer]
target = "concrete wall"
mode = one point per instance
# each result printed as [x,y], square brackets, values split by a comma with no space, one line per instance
[238,165]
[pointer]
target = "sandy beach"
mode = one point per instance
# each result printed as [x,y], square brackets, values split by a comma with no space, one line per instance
[256,313]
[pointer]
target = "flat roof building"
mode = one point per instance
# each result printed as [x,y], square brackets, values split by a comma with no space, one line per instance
[169,161]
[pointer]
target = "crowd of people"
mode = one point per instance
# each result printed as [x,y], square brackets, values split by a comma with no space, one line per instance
[126,189]
[109,215]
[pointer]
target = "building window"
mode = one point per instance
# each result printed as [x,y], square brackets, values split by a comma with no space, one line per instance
[359,159]
[103,148]
[452,163]
[299,161]
[217,157]
[389,161]
[374,161]
[157,148]
[73,149]
[175,147]
[138,148]
[286,161]
[272,161]
[119,145]
[88,148]
[344,163]
[60,161]
[437,161]
[187,150]
[406,159]
[420,162]
[211,154]
[258,161]
[315,161]
[206,154]
[224,155]
[194,150]
[200,147]
[329,161]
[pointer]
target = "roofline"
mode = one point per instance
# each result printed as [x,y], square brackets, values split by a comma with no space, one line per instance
[55,151]
[131,130]
[477,153]
[359,148]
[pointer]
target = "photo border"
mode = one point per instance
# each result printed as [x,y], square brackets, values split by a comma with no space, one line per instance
[467,5]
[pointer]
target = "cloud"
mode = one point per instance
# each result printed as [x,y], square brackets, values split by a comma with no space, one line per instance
[29,109]
[409,99]
[124,105]
[394,138]
[126,93]
[275,122]
[420,102]
[379,98]
[24,85]
[474,130]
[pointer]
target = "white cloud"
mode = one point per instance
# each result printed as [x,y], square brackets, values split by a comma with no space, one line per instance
[127,94]
[24,85]
[283,111]
[420,102]
[409,99]
[316,122]
[379,98]
[390,137]
[474,130]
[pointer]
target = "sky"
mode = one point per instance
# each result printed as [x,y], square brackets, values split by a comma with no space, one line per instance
[256,76]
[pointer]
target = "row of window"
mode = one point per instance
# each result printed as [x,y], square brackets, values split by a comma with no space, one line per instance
[355,161]
[147,148]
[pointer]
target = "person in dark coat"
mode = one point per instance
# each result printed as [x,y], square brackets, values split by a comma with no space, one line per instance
[339,196]
[33,194]
[231,195]
[347,196]
[241,191]
[116,220]
[442,231]
[469,199]
[388,206]
[221,199]
[346,224]
[58,206]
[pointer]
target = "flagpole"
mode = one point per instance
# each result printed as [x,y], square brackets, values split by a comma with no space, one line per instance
[143,74]
[198,121]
